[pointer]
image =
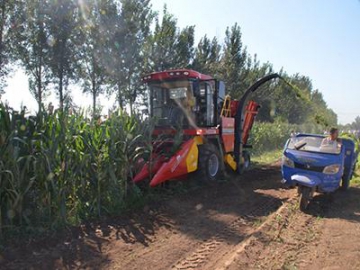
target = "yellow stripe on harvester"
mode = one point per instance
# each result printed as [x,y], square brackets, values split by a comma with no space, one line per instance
[192,157]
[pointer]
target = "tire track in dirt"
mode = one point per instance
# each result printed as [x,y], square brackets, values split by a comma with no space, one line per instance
[202,255]
[314,239]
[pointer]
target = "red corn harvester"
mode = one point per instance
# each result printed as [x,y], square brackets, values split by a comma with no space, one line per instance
[214,128]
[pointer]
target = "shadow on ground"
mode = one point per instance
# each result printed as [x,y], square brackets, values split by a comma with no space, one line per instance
[340,204]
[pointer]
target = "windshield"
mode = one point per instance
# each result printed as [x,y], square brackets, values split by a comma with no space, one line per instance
[171,102]
[315,144]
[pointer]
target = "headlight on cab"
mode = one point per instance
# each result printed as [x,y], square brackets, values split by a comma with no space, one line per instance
[332,169]
[287,162]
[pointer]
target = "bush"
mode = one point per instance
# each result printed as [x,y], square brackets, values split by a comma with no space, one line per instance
[273,136]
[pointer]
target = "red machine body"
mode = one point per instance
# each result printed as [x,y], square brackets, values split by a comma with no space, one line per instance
[187,102]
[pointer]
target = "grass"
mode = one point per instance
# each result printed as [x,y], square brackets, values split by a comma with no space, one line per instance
[267,157]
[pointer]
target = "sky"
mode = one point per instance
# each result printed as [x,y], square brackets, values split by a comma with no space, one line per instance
[316,38]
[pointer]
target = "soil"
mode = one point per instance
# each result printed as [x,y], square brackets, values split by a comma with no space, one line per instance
[327,236]
[247,222]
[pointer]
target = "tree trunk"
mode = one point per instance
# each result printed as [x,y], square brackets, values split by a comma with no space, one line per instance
[119,97]
[39,93]
[94,97]
[131,103]
[131,106]
[61,95]
[39,84]
[2,25]
[40,37]
[61,71]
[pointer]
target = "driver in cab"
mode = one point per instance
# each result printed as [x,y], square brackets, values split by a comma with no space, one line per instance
[332,141]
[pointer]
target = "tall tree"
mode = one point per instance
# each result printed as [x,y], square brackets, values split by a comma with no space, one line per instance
[184,49]
[33,50]
[9,25]
[161,45]
[207,56]
[253,71]
[356,123]
[168,46]
[96,27]
[233,60]
[132,30]
[64,40]
[320,111]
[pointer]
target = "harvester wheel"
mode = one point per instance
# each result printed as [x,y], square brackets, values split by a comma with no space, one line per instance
[247,161]
[211,165]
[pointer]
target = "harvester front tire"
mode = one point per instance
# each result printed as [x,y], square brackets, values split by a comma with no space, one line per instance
[247,161]
[211,164]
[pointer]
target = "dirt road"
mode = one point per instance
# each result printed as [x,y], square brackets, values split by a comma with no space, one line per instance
[235,224]
[326,237]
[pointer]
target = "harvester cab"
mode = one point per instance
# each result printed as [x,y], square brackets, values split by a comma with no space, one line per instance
[184,98]
[214,128]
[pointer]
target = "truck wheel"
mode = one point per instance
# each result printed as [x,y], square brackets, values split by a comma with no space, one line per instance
[211,164]
[247,161]
[345,182]
[305,197]
[353,171]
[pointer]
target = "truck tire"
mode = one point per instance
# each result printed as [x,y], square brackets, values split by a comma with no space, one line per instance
[345,182]
[305,197]
[211,165]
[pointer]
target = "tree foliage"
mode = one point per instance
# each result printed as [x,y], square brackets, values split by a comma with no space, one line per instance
[355,125]
[233,61]
[32,48]
[64,43]
[9,26]
[207,56]
[132,27]
[95,20]
[107,45]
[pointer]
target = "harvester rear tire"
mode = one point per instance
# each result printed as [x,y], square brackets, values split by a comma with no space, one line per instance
[245,163]
[211,164]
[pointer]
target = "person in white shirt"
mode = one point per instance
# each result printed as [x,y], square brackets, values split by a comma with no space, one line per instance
[332,141]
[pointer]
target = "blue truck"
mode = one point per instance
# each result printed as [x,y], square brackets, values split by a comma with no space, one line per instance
[312,166]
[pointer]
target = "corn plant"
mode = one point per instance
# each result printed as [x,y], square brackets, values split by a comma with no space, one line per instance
[59,169]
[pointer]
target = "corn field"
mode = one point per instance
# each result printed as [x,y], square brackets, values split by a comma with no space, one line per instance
[59,169]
